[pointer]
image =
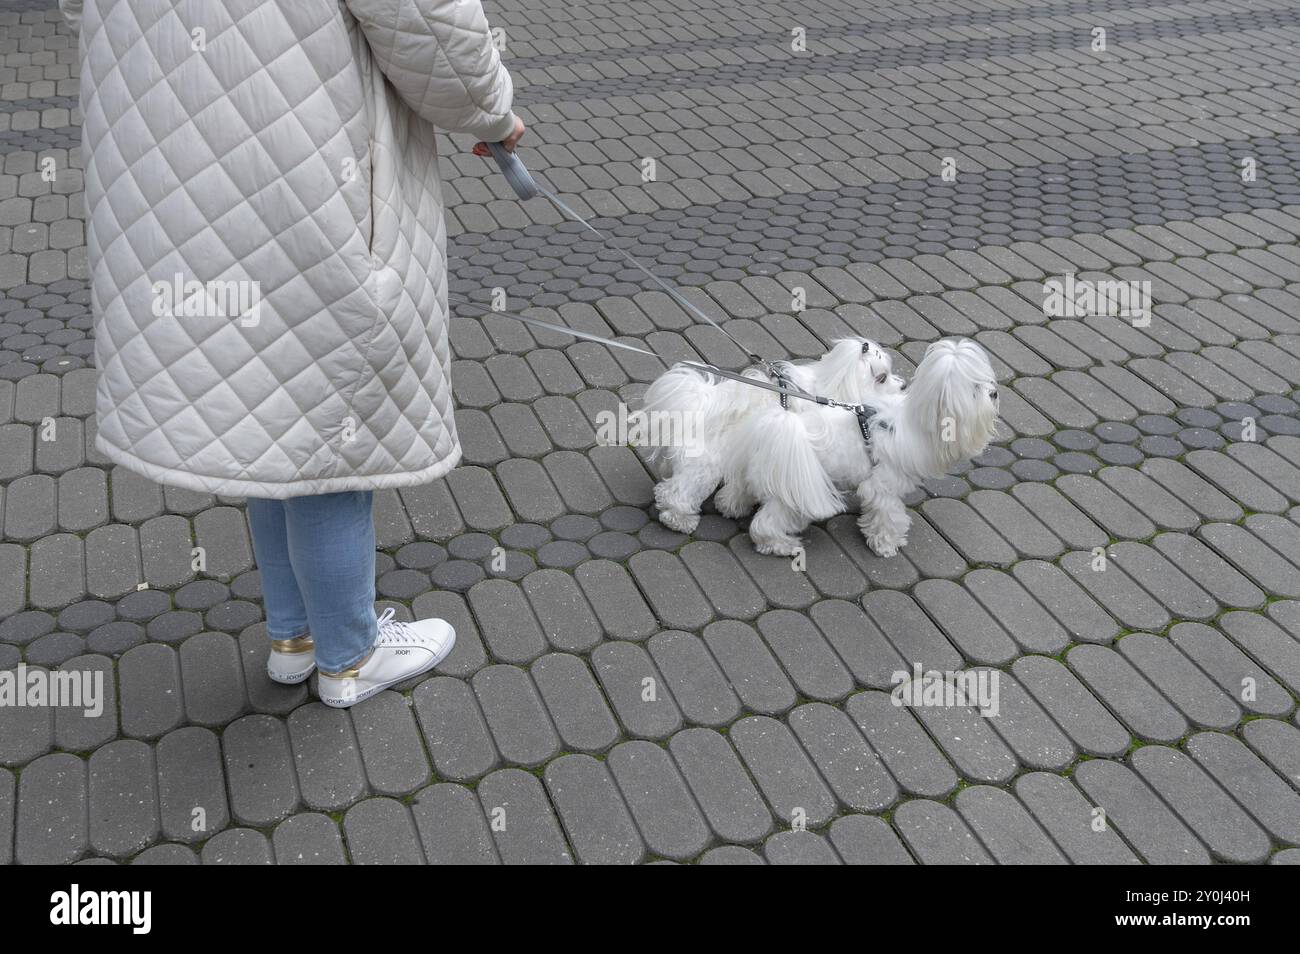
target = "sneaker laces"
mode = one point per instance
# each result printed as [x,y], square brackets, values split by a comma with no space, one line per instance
[392,630]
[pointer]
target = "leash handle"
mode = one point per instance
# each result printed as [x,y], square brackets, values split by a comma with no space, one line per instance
[516,173]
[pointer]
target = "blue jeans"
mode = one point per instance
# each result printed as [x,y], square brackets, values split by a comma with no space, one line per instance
[317,558]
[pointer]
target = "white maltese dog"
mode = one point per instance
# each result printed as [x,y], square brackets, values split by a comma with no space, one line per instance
[696,416]
[799,466]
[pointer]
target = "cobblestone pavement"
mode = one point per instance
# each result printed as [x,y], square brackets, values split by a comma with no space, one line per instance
[621,693]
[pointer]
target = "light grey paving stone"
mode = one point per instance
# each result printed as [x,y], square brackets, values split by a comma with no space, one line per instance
[326,757]
[799,848]
[749,667]
[808,659]
[659,800]
[972,746]
[212,679]
[191,785]
[697,684]
[1280,534]
[123,800]
[1162,579]
[391,749]
[730,802]
[562,612]
[53,818]
[453,828]
[1107,509]
[508,625]
[238,846]
[937,835]
[80,728]
[1031,626]
[259,770]
[897,737]
[1219,822]
[1236,481]
[455,731]
[308,839]
[520,727]
[867,840]
[1259,562]
[1209,570]
[1062,517]
[1288,856]
[1200,701]
[1138,814]
[166,854]
[842,756]
[1278,744]
[966,624]
[1265,641]
[599,825]
[910,631]
[379,831]
[1147,496]
[575,702]
[783,587]
[730,855]
[1069,820]
[623,612]
[673,595]
[1031,538]
[1251,783]
[725,584]
[1112,588]
[859,642]
[1025,727]
[1079,713]
[1134,700]
[1269,465]
[149,680]
[968,532]
[26,731]
[1007,830]
[1185,484]
[638,692]
[1237,674]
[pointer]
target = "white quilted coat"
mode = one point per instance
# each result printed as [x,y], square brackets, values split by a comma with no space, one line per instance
[287,147]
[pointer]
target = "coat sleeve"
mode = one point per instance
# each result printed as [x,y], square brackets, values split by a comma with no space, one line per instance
[72,12]
[439,56]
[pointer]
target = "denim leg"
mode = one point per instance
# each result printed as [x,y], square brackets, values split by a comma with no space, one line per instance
[332,548]
[286,614]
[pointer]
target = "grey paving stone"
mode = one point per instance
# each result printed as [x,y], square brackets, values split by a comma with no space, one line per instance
[937,835]
[730,855]
[563,613]
[666,814]
[521,820]
[1139,814]
[1276,743]
[1069,820]
[1209,570]
[122,798]
[749,667]
[191,785]
[520,727]
[80,728]
[308,839]
[1112,588]
[453,828]
[508,625]
[457,736]
[1266,642]
[575,703]
[1054,510]
[843,757]
[1261,564]
[1004,826]
[722,787]
[975,633]
[1238,675]
[1212,814]
[1250,781]
[1200,701]
[867,840]
[8,806]
[212,678]
[380,831]
[725,584]
[799,848]
[1127,693]
[972,537]
[592,811]
[1079,713]
[259,770]
[697,683]
[326,757]
[53,820]
[623,612]
[391,749]
[638,692]
[149,680]
[238,846]
[166,854]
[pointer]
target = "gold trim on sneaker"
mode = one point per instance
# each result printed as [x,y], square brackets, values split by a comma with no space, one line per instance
[299,644]
[351,673]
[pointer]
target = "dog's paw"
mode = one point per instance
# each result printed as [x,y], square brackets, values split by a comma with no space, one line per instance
[885,546]
[779,546]
[681,522]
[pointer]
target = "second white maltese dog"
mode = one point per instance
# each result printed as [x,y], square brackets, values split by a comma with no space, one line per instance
[797,467]
[704,413]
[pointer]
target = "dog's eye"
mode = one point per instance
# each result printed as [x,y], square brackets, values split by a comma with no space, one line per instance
[882,377]
[993,395]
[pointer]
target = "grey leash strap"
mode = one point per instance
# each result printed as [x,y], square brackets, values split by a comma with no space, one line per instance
[525,187]
[788,391]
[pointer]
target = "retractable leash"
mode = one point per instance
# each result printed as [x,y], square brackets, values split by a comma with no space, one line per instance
[526,187]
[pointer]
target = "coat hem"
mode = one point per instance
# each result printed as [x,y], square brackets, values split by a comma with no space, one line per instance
[230,487]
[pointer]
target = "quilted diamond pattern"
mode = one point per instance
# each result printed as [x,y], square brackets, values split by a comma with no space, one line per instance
[291,146]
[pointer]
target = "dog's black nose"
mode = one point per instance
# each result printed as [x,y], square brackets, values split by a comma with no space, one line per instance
[993,395]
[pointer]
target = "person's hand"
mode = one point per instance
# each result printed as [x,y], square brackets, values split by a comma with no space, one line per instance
[481,148]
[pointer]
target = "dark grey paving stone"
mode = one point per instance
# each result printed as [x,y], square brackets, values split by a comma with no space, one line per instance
[867,840]
[616,599]
[238,846]
[575,703]
[732,805]
[453,828]
[149,681]
[122,798]
[730,855]
[966,624]
[749,667]
[1007,830]
[599,826]
[936,834]
[844,759]
[907,751]
[1070,820]
[1031,626]
[259,770]
[212,678]
[1251,782]
[308,839]
[697,684]
[799,848]
[1276,743]
[725,584]
[8,809]
[166,854]
[521,820]
[391,749]
[326,757]
[509,627]
[457,735]
[1194,695]
[783,771]
[673,595]
[80,728]
[1079,713]
[521,729]
[636,689]
[191,785]
[859,642]
[380,831]
[564,614]
[1138,814]
[666,814]
[1219,822]
[911,632]
[53,820]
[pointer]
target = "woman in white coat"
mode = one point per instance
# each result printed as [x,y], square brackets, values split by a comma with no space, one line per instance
[268,275]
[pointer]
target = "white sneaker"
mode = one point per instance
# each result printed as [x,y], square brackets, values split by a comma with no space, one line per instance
[291,660]
[402,650]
